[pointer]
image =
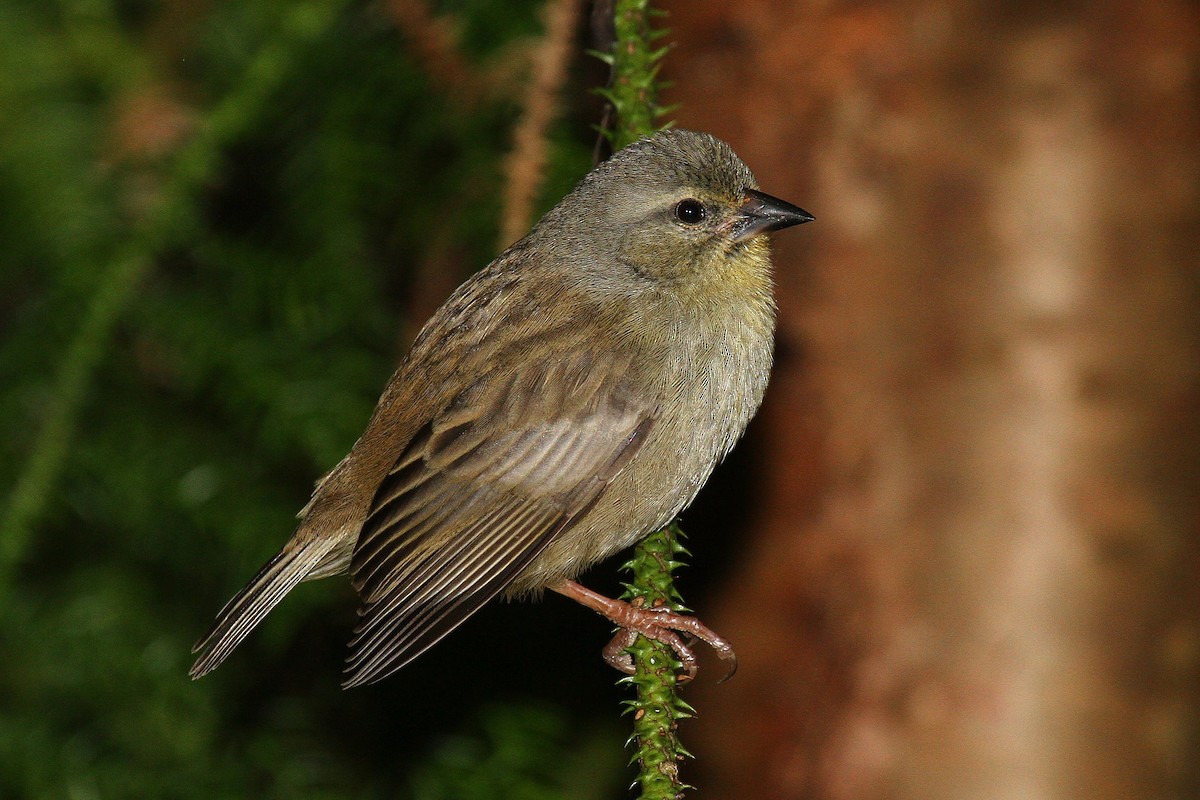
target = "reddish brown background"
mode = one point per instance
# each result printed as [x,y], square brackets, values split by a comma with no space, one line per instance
[972,571]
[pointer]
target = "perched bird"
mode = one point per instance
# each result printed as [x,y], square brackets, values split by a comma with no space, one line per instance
[566,401]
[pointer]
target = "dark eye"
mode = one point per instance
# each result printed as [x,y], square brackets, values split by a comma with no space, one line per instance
[690,212]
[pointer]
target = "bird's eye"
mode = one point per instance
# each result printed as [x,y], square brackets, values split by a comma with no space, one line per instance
[690,212]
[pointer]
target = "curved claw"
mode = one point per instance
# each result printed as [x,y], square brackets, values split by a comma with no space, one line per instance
[675,621]
[616,651]
[658,623]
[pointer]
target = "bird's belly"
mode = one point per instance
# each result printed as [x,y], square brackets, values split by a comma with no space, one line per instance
[696,429]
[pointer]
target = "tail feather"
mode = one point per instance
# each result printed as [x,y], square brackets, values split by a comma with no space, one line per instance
[248,607]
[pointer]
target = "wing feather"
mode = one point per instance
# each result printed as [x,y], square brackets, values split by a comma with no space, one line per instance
[466,574]
[447,590]
[472,500]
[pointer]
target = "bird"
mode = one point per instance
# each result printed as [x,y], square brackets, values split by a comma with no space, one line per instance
[566,401]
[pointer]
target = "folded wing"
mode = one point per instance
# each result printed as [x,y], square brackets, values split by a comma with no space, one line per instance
[510,464]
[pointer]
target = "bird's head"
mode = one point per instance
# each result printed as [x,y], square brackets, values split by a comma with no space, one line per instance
[673,206]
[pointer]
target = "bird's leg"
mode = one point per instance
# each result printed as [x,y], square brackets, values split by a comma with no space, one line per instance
[659,623]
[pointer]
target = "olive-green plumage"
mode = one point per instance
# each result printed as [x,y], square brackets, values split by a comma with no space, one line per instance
[567,400]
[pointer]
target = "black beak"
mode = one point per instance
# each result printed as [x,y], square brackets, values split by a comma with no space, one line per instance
[761,213]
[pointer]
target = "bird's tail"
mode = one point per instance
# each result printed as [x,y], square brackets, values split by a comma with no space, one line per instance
[247,608]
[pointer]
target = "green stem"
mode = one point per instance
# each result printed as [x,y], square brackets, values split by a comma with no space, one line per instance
[633,91]
[168,221]
[656,707]
[40,471]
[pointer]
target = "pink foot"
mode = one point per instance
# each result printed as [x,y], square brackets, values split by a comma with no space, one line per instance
[659,623]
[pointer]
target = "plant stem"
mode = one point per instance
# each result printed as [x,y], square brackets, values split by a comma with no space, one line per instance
[633,91]
[169,219]
[656,708]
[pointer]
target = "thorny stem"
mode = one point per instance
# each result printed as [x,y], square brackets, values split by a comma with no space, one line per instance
[633,90]
[656,707]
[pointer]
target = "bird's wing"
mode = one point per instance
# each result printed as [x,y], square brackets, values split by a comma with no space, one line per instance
[481,490]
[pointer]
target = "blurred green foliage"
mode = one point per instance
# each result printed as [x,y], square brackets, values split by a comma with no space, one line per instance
[276,181]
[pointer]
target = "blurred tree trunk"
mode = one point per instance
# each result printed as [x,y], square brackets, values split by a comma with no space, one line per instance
[974,573]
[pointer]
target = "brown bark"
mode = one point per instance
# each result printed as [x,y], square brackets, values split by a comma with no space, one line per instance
[974,572]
